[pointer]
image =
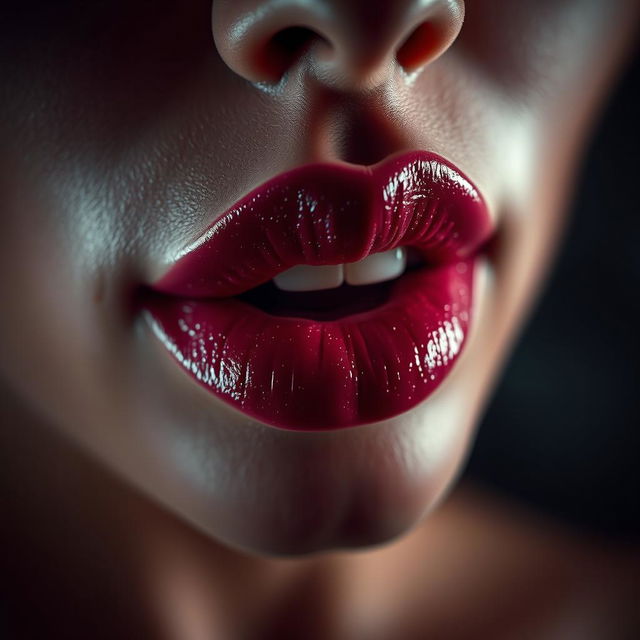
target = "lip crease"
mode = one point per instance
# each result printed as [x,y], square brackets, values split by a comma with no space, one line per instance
[307,374]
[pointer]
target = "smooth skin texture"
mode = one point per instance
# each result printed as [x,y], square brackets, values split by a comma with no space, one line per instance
[125,129]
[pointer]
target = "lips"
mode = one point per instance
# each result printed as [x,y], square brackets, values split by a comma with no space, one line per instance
[375,351]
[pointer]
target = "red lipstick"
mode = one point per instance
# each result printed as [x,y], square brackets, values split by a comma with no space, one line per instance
[359,363]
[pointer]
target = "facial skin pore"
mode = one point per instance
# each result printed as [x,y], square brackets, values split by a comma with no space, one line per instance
[127,127]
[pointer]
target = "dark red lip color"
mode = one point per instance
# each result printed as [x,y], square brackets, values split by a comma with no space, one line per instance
[303,373]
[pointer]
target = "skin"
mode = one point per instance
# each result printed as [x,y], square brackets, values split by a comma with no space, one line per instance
[126,128]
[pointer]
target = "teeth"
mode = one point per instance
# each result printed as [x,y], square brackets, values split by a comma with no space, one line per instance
[377,267]
[305,277]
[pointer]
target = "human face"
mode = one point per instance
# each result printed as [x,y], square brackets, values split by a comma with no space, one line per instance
[128,128]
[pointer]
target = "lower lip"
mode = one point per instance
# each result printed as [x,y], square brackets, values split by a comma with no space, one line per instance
[303,374]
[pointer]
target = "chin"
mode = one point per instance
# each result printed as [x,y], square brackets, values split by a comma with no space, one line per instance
[270,492]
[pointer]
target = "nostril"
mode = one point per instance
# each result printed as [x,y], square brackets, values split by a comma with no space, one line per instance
[345,45]
[421,46]
[284,49]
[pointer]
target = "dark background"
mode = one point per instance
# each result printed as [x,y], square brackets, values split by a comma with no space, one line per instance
[563,431]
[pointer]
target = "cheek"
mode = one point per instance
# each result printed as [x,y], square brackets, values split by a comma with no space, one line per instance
[54,324]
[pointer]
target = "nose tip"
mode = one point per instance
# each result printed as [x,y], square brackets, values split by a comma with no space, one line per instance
[344,43]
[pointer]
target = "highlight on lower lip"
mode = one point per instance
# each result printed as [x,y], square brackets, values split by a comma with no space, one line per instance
[301,374]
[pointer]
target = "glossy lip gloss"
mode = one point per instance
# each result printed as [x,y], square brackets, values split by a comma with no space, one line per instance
[306,374]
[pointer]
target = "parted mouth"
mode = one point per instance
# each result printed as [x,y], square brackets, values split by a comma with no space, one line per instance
[323,225]
[330,296]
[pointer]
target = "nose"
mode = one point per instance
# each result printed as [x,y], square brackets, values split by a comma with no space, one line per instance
[344,43]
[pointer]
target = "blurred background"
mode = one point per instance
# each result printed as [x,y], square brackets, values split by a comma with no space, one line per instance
[563,431]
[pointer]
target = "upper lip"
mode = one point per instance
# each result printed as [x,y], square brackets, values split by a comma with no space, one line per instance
[330,214]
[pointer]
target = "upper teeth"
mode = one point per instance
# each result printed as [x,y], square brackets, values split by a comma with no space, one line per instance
[377,267]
